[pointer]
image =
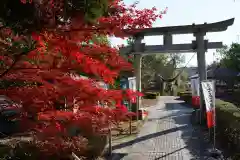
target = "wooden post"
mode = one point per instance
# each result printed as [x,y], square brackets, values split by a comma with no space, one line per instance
[202,71]
[109,140]
[130,121]
[167,39]
[130,125]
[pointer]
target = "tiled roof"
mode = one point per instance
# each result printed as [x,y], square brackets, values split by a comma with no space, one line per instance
[220,73]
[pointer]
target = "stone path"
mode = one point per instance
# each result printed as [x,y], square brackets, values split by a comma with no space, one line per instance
[167,135]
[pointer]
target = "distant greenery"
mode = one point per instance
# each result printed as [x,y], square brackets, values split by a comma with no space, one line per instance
[230,56]
[163,64]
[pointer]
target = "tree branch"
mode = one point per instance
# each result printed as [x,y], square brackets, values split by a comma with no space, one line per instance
[17,58]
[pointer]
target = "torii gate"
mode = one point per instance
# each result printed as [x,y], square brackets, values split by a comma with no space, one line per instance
[200,46]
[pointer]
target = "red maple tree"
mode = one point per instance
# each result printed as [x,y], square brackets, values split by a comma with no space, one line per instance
[55,57]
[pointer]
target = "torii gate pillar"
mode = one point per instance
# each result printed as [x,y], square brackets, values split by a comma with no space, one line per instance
[137,70]
[201,66]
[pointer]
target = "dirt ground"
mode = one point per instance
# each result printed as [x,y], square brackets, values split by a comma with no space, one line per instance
[124,129]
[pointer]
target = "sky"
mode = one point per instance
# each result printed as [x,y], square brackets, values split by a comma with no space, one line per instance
[186,12]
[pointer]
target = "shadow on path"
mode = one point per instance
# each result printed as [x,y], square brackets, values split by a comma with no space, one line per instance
[143,138]
[118,156]
[164,117]
[168,154]
[195,139]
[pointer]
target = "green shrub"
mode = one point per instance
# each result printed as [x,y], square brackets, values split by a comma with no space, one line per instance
[134,107]
[175,91]
[184,93]
[151,95]
[228,125]
[164,94]
[179,90]
[187,99]
[186,96]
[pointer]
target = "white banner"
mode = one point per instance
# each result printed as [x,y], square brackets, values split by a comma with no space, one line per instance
[209,94]
[209,97]
[132,83]
[195,86]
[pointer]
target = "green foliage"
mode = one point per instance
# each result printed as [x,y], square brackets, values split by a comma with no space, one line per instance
[228,125]
[185,96]
[151,95]
[130,41]
[165,93]
[151,65]
[184,76]
[164,64]
[116,85]
[100,39]
[94,9]
[231,56]
[183,93]
[181,85]
[179,90]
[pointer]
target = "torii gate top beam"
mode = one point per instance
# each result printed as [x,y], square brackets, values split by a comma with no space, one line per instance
[187,29]
[168,32]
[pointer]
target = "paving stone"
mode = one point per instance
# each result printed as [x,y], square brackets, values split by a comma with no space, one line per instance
[167,135]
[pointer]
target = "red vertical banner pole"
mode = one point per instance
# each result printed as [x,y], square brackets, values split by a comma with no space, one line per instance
[208,87]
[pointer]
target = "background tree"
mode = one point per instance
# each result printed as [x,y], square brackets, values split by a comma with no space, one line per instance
[228,63]
[151,66]
[160,64]
[164,64]
[231,56]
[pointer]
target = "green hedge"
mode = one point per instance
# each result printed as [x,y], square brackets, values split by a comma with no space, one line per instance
[228,125]
[151,95]
[184,93]
[186,96]
[178,90]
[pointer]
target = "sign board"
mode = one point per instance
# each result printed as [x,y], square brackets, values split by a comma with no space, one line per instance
[124,83]
[209,97]
[132,83]
[195,86]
